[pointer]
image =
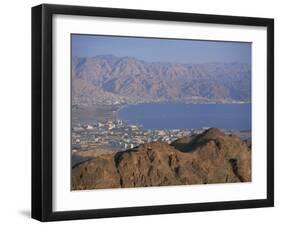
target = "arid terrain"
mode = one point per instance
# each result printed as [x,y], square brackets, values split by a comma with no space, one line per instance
[206,158]
[112,80]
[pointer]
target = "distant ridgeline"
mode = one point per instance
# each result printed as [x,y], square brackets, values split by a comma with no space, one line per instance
[111,80]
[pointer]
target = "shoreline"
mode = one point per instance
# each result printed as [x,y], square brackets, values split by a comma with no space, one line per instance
[110,130]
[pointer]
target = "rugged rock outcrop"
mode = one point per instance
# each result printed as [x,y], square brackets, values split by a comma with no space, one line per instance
[210,157]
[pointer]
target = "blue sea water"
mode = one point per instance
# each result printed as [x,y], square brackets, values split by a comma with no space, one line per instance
[181,116]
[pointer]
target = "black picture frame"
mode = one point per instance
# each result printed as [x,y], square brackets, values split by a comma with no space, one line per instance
[42,111]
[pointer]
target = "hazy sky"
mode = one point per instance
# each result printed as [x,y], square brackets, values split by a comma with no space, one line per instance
[161,50]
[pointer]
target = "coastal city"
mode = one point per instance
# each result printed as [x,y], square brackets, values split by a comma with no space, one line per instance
[118,135]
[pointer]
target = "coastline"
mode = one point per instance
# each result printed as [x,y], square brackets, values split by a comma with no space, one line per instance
[121,133]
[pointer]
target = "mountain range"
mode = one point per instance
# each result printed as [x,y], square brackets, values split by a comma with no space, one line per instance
[107,77]
[210,157]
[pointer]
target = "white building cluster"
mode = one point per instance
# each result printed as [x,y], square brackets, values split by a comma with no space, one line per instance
[119,135]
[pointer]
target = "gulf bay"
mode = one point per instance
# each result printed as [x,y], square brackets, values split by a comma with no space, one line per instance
[180,116]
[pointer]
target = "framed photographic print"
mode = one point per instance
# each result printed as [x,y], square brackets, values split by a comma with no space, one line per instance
[145,112]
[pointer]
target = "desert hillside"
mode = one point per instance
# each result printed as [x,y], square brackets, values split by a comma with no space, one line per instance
[210,157]
[128,79]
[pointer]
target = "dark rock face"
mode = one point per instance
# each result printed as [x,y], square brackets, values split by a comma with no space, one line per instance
[210,157]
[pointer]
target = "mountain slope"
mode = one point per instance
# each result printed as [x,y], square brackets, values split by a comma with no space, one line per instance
[210,157]
[126,76]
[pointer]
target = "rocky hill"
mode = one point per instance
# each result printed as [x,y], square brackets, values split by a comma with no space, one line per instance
[210,157]
[104,76]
